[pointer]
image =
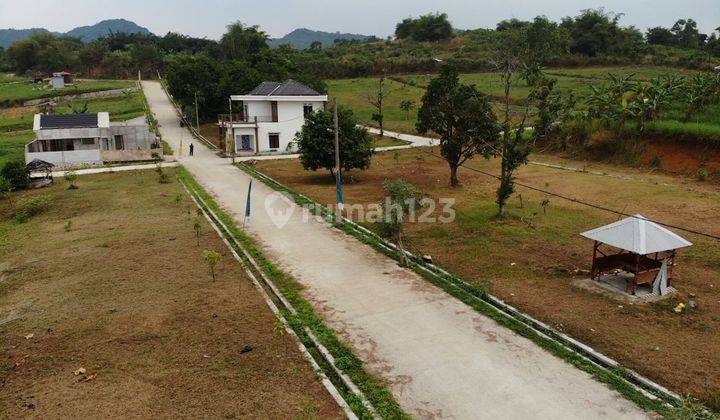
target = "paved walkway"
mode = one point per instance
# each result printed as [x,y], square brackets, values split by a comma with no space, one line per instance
[441,358]
[107,169]
[413,141]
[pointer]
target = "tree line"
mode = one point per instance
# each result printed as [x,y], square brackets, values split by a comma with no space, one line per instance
[594,36]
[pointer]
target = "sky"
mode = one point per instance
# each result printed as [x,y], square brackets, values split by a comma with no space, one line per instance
[208,18]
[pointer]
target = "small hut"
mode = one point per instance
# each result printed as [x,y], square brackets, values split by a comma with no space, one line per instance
[40,166]
[61,79]
[639,247]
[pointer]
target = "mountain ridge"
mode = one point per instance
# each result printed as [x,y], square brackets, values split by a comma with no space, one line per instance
[302,38]
[85,33]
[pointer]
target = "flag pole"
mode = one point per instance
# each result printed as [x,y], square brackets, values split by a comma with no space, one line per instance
[247,203]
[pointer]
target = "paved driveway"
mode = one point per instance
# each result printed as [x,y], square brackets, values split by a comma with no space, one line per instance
[441,358]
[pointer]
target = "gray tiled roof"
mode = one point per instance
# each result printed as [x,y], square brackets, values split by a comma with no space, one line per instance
[69,121]
[287,88]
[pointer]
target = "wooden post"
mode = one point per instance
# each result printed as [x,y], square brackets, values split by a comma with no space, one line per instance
[594,261]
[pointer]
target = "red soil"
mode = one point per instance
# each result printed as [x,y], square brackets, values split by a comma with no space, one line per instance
[677,157]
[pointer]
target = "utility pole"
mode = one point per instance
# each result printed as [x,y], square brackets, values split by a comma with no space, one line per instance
[338,172]
[197,114]
[232,133]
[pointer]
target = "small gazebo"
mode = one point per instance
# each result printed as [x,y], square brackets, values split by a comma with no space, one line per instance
[639,247]
[37,166]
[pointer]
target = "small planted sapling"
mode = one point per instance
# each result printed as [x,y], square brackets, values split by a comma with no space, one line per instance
[162,176]
[196,227]
[70,178]
[401,200]
[211,258]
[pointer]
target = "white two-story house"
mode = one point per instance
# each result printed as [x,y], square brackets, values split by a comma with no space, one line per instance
[269,117]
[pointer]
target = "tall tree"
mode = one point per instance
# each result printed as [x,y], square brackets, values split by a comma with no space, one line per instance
[660,36]
[461,116]
[241,42]
[316,142]
[513,63]
[377,100]
[686,33]
[431,27]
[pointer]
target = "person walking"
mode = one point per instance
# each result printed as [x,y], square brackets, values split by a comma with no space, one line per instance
[191,149]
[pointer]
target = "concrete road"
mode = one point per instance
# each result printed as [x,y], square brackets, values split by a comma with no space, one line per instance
[441,358]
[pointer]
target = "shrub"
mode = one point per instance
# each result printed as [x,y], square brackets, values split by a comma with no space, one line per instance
[31,207]
[16,172]
[5,188]
[71,177]
[702,174]
[656,162]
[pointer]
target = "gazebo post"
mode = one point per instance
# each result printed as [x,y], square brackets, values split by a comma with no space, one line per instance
[594,262]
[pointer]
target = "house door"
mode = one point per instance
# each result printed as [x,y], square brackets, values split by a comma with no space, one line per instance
[245,142]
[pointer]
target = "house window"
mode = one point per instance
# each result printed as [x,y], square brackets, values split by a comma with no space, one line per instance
[274,111]
[307,110]
[119,142]
[274,140]
[87,142]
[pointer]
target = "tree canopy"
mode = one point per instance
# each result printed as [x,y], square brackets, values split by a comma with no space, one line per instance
[461,116]
[430,27]
[316,141]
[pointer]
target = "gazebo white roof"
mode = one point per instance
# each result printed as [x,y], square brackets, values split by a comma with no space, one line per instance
[638,235]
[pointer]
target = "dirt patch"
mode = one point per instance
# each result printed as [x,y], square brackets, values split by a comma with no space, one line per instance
[680,157]
[529,258]
[119,317]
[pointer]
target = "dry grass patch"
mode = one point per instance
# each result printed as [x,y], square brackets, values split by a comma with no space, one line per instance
[529,257]
[109,279]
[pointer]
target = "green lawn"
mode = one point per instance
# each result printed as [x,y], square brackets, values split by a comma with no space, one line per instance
[10,78]
[121,108]
[354,93]
[15,93]
[12,145]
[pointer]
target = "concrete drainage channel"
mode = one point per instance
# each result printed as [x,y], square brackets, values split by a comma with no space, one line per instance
[640,384]
[273,298]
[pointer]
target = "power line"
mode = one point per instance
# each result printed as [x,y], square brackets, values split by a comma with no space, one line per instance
[575,200]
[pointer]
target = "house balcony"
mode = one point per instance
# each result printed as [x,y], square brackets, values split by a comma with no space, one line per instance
[229,119]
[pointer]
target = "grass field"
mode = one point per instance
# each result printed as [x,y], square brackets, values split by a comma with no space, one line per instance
[531,257]
[354,93]
[12,145]
[13,93]
[89,284]
[10,78]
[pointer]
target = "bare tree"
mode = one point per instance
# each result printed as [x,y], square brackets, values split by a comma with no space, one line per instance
[377,100]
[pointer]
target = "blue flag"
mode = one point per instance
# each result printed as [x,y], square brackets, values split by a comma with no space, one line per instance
[339,186]
[247,205]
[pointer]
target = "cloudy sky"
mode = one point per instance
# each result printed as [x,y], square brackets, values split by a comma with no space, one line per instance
[207,18]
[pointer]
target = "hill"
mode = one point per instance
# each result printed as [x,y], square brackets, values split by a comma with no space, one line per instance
[8,36]
[85,33]
[105,27]
[302,38]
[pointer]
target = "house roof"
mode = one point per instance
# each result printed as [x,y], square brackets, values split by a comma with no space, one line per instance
[637,234]
[37,164]
[69,121]
[289,87]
